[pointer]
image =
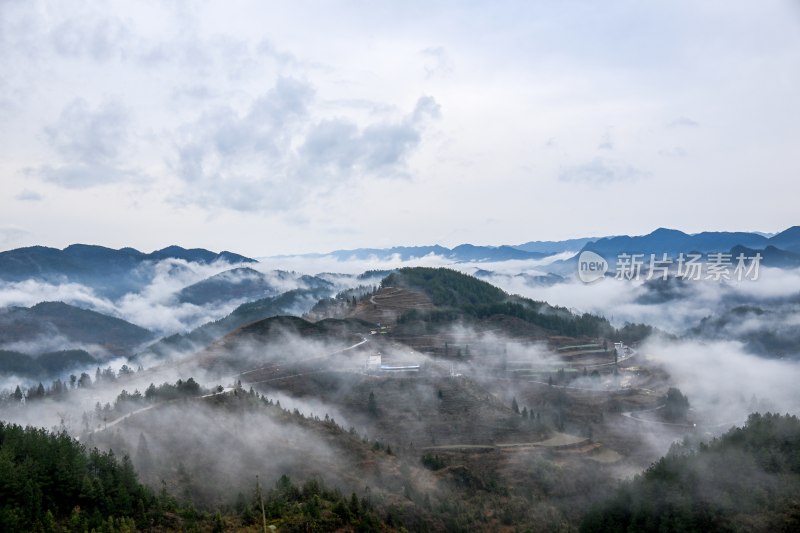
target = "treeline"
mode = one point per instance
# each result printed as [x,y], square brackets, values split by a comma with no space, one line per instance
[49,482]
[747,480]
[312,507]
[342,304]
[127,402]
[59,388]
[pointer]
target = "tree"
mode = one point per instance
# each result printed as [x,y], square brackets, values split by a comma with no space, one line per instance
[515,405]
[372,405]
[676,404]
[355,506]
[84,381]
[144,459]
[36,393]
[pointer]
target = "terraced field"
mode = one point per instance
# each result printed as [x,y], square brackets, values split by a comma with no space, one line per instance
[388,303]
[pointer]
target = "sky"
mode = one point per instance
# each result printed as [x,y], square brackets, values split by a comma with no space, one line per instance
[287,127]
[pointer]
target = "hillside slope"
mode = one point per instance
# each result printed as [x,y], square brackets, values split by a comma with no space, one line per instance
[48,321]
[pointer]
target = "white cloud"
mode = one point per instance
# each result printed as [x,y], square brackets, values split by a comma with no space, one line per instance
[276,155]
[601,171]
[30,196]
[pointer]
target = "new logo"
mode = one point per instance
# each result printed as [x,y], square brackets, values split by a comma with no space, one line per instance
[591,266]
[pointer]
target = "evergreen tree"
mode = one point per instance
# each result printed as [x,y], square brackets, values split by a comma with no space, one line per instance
[372,405]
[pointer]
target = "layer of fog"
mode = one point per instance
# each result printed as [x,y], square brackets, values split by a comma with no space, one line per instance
[641,301]
[724,383]
[329,263]
[155,306]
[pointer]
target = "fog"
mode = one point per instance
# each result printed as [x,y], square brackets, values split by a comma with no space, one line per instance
[726,383]
[155,306]
[322,374]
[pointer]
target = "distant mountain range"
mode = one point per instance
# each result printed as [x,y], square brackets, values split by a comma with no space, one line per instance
[672,241]
[110,272]
[463,252]
[556,247]
[660,241]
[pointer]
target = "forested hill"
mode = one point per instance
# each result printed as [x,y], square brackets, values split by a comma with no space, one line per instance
[446,287]
[456,294]
[747,480]
[47,480]
[80,327]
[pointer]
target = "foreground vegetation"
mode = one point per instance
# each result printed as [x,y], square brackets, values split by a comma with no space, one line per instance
[747,480]
[50,482]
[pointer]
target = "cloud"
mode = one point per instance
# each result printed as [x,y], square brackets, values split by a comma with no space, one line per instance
[677,151]
[275,155]
[683,122]
[29,196]
[98,38]
[601,171]
[91,144]
[89,134]
[607,143]
[439,63]
[739,378]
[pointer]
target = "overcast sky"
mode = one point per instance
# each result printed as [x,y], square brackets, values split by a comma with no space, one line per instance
[283,127]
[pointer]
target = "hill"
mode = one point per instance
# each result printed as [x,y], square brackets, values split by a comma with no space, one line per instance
[69,326]
[788,239]
[228,439]
[673,242]
[245,283]
[294,302]
[45,366]
[764,331]
[458,295]
[109,271]
[50,479]
[770,256]
[746,480]
[556,247]
[277,340]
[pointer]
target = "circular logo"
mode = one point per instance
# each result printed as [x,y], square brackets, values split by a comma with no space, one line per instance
[591,266]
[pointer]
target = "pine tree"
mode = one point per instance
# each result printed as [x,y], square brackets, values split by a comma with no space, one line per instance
[372,405]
